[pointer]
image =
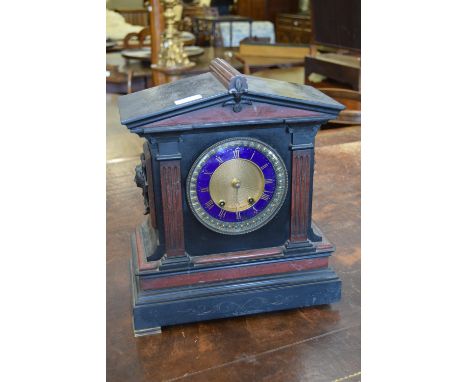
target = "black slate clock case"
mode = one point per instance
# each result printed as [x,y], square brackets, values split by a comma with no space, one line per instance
[199,240]
[168,275]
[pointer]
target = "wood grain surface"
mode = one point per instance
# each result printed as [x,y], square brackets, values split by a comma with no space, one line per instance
[311,344]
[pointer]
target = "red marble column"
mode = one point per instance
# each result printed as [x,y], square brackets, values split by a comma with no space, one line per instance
[300,192]
[171,194]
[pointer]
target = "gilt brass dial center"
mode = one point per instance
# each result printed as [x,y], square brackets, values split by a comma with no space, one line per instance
[236,183]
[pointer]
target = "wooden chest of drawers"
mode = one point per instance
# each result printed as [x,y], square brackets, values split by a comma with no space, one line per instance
[264,9]
[293,28]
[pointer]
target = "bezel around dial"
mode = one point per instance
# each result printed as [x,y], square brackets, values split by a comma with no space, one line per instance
[261,218]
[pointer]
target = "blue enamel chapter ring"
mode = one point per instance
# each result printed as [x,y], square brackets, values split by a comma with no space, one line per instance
[237,185]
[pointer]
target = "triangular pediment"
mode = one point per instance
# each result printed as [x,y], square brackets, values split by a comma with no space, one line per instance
[203,99]
[219,115]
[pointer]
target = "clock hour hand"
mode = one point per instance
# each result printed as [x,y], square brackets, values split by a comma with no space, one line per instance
[236,183]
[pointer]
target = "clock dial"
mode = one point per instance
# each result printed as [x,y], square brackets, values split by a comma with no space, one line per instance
[237,185]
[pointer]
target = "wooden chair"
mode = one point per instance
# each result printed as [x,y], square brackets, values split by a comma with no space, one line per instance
[115,76]
[132,40]
[138,40]
[336,35]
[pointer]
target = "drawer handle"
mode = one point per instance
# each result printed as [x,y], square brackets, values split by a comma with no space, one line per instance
[295,23]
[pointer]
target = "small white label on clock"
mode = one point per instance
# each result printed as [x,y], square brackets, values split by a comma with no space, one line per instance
[188,99]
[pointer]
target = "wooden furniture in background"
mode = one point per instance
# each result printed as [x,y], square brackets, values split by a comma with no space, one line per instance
[190,12]
[203,24]
[336,25]
[264,9]
[339,67]
[137,40]
[116,77]
[143,39]
[135,16]
[260,56]
[142,73]
[156,29]
[293,74]
[351,99]
[293,28]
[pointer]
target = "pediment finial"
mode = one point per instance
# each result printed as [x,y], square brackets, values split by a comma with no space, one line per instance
[235,83]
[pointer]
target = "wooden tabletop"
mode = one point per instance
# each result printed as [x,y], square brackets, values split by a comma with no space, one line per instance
[260,62]
[202,62]
[310,344]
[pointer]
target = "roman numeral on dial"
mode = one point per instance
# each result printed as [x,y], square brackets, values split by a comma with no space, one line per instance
[268,181]
[220,160]
[222,213]
[265,197]
[238,215]
[264,166]
[209,204]
[236,153]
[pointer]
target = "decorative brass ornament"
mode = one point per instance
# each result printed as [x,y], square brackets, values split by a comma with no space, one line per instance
[171,58]
[237,186]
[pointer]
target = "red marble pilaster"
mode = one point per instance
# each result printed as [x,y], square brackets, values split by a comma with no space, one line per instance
[171,194]
[300,192]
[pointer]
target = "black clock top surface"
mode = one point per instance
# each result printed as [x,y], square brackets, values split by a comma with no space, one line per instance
[205,90]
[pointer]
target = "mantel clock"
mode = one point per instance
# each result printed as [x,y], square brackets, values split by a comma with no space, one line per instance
[226,174]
